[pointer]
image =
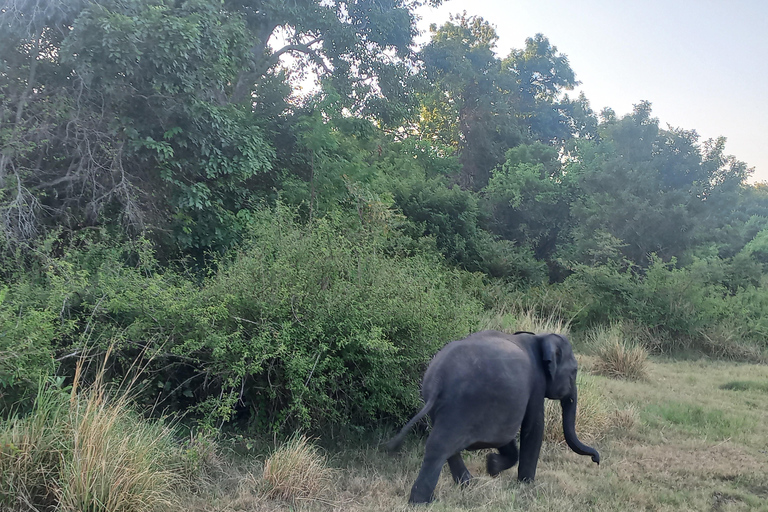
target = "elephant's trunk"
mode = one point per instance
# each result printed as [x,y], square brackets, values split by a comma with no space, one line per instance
[569,428]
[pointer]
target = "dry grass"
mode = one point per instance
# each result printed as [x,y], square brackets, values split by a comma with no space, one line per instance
[686,438]
[28,448]
[595,414]
[116,460]
[86,452]
[652,459]
[516,319]
[297,470]
[617,356]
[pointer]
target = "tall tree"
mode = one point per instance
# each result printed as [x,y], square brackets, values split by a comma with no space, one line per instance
[482,105]
[541,75]
[642,190]
[163,114]
[465,105]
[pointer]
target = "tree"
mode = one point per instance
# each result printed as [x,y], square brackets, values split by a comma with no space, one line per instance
[164,116]
[529,198]
[363,47]
[641,190]
[482,106]
[541,74]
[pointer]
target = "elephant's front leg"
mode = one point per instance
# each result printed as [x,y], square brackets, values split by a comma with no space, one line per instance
[531,435]
[459,471]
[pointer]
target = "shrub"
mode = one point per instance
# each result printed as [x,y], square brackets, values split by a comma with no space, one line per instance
[618,357]
[297,470]
[304,325]
[27,332]
[311,324]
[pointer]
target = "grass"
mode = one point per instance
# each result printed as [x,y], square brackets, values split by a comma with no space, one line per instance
[706,422]
[515,319]
[297,470]
[596,415]
[688,437]
[86,451]
[682,439]
[617,356]
[746,385]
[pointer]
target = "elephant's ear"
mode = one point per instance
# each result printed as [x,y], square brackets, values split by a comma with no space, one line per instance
[549,354]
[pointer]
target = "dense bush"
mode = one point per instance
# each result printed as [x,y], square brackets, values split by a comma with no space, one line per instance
[311,324]
[682,308]
[303,325]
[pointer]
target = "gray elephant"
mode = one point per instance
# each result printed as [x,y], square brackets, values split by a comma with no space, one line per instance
[480,391]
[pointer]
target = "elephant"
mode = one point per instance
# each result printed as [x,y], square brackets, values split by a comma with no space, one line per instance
[480,391]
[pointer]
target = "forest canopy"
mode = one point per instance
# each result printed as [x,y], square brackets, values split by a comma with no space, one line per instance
[289,257]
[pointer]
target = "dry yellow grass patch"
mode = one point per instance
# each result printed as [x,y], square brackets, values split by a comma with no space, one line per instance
[297,470]
[595,414]
[89,452]
[511,320]
[617,356]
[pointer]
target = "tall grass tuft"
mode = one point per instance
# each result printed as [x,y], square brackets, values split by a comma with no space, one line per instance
[594,414]
[30,453]
[86,451]
[519,319]
[617,357]
[298,471]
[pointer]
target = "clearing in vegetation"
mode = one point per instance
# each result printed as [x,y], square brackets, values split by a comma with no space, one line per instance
[678,440]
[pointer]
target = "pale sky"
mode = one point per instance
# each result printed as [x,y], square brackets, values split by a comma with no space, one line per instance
[703,64]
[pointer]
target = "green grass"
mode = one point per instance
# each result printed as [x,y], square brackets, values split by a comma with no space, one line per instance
[746,385]
[710,423]
[692,446]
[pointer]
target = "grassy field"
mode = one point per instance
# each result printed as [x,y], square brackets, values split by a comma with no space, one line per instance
[672,434]
[694,436]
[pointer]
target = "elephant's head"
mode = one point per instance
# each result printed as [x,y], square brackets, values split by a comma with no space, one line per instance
[560,367]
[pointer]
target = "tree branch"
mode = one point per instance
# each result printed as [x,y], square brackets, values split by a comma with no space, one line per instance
[302,48]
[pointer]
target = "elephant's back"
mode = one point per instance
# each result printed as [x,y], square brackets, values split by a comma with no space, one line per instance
[482,360]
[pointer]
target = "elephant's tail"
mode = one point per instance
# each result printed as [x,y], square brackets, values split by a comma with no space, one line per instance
[394,444]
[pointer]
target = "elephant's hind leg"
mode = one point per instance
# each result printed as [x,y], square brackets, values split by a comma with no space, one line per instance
[440,446]
[505,459]
[459,471]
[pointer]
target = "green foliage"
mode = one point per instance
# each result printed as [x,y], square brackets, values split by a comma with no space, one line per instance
[681,307]
[481,106]
[452,218]
[317,324]
[148,150]
[305,325]
[529,195]
[26,338]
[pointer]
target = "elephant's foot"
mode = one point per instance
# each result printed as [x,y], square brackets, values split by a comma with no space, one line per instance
[464,479]
[419,498]
[459,471]
[494,464]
